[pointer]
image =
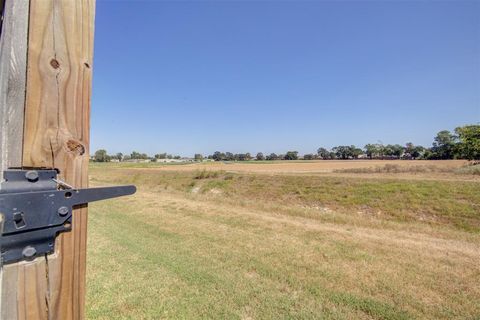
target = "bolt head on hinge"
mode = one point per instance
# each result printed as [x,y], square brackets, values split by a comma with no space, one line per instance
[29,252]
[32,175]
[63,211]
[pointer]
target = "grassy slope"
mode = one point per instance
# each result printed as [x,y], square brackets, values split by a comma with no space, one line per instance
[225,246]
[455,203]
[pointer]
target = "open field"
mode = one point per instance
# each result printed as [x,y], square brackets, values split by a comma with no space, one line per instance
[421,169]
[280,243]
[300,166]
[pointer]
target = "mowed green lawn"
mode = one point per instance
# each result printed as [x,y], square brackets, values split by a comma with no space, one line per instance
[239,246]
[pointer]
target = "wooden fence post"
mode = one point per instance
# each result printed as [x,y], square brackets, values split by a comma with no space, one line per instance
[55,131]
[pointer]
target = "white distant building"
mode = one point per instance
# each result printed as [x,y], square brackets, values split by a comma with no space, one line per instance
[174,160]
[138,160]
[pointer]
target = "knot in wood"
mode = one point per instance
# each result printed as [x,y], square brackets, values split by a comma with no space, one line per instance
[54,63]
[75,147]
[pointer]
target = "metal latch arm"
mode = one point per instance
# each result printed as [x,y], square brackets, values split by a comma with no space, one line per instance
[34,211]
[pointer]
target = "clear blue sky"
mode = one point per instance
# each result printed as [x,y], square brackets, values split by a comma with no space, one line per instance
[248,76]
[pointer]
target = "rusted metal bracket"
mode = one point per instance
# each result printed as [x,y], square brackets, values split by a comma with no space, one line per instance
[36,207]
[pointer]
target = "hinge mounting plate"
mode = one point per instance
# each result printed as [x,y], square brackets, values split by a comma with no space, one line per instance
[35,208]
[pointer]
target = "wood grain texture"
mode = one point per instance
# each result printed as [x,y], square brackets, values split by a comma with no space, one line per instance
[13,61]
[57,114]
[56,134]
[13,57]
[24,290]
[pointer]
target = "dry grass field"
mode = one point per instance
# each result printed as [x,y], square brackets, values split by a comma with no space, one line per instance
[299,166]
[286,240]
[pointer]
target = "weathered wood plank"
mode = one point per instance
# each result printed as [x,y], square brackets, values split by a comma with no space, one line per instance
[57,112]
[25,282]
[13,57]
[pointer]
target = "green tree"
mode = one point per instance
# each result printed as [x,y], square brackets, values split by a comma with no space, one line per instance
[229,156]
[135,155]
[323,153]
[291,155]
[198,157]
[240,157]
[398,150]
[417,151]
[260,156]
[413,151]
[469,141]
[138,155]
[444,145]
[388,150]
[428,154]
[119,156]
[342,152]
[161,155]
[101,156]
[308,156]
[272,156]
[409,147]
[218,156]
[382,150]
[372,150]
[355,152]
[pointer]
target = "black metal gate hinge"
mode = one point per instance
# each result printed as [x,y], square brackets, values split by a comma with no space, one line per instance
[36,207]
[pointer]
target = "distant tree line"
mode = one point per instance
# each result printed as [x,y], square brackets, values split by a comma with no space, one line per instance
[228,156]
[463,143]
[102,156]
